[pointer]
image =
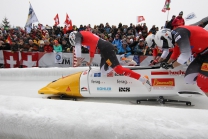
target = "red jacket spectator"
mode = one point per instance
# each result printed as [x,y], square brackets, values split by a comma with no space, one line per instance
[178,21]
[47,47]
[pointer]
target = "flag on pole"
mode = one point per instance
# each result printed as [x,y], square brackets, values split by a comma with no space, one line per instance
[190,16]
[32,18]
[68,23]
[140,19]
[56,19]
[166,6]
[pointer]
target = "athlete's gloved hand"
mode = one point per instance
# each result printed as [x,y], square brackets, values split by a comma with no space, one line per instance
[165,65]
[154,62]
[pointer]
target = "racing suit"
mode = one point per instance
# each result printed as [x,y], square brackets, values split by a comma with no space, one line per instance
[193,40]
[107,51]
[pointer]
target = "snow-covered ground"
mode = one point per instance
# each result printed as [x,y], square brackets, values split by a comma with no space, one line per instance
[24,114]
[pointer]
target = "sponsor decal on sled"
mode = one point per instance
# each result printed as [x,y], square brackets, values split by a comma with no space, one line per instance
[173,73]
[204,67]
[97,74]
[118,74]
[97,82]
[123,82]
[85,72]
[103,88]
[163,83]
[124,89]
[84,89]
[110,74]
[68,89]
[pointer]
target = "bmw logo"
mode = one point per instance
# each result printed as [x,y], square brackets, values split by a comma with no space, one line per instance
[58,57]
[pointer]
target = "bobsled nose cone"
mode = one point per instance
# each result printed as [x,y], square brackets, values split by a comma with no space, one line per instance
[47,90]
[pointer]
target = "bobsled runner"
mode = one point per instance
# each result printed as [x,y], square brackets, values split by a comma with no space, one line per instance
[93,83]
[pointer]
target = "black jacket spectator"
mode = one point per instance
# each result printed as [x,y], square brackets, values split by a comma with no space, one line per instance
[169,24]
[65,46]
[14,46]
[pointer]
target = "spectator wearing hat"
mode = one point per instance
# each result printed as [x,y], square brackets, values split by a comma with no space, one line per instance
[125,49]
[169,24]
[178,21]
[140,48]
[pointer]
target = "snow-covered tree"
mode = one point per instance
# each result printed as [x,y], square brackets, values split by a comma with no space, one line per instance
[5,23]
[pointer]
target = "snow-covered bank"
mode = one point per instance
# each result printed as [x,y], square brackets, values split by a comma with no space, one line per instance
[23,118]
[37,74]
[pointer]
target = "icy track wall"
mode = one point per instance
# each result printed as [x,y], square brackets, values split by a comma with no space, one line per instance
[37,118]
[37,74]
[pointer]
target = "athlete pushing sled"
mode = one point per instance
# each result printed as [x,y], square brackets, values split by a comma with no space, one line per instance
[108,55]
[190,40]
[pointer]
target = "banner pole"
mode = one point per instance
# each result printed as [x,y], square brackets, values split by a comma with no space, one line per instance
[167,15]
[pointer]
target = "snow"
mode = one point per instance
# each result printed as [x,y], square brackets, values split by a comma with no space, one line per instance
[24,114]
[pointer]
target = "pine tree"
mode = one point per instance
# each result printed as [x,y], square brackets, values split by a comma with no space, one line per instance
[5,23]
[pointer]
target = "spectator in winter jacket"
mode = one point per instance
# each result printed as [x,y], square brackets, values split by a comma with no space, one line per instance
[169,24]
[22,45]
[117,42]
[32,46]
[153,30]
[47,47]
[65,46]
[14,46]
[57,47]
[178,21]
[125,49]
[41,46]
[140,48]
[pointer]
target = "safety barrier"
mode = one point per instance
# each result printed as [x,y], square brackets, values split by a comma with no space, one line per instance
[41,59]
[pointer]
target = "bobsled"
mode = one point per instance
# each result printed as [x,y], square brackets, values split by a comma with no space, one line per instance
[94,83]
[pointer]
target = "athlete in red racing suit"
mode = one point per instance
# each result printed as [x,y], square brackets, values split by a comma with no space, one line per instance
[108,55]
[191,40]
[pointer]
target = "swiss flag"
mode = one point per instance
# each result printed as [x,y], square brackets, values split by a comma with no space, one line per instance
[140,19]
[29,59]
[11,59]
[56,19]
[68,23]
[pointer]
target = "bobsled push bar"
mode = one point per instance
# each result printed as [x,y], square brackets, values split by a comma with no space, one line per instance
[141,67]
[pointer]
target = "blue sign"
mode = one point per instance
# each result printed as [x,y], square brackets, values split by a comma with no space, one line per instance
[97,74]
[58,57]
[104,88]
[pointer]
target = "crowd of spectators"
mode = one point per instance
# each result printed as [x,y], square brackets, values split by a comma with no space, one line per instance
[127,39]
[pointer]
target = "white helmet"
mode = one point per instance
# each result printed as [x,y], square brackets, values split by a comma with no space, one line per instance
[163,38]
[150,40]
[72,38]
[206,27]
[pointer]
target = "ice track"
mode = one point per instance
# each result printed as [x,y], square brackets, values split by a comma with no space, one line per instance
[24,114]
